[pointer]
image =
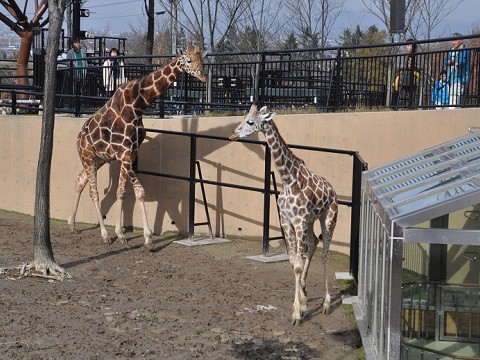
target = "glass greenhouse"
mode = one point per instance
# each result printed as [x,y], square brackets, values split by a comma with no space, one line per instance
[419,261]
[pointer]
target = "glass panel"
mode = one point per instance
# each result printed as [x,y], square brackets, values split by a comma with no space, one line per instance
[441,194]
[421,179]
[424,158]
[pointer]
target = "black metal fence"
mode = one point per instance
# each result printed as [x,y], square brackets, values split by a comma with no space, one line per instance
[358,166]
[325,79]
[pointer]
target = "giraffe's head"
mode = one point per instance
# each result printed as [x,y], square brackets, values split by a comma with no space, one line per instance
[253,122]
[191,62]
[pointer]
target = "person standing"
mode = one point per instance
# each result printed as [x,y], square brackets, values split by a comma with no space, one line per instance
[458,69]
[441,91]
[79,64]
[113,72]
[405,84]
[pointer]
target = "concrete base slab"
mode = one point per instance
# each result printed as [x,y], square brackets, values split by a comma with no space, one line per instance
[201,241]
[349,299]
[343,276]
[269,258]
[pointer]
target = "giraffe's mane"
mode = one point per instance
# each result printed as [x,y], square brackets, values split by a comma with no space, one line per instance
[289,151]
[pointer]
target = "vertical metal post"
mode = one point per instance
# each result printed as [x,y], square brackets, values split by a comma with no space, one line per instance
[266,201]
[191,195]
[185,93]
[161,104]
[338,80]
[14,103]
[261,84]
[355,215]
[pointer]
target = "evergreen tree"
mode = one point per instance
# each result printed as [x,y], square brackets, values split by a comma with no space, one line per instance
[290,43]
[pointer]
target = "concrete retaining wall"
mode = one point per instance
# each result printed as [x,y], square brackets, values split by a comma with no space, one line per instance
[378,136]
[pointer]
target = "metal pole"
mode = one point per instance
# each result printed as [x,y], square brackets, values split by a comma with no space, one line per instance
[14,103]
[191,197]
[261,85]
[355,215]
[266,201]
[76,18]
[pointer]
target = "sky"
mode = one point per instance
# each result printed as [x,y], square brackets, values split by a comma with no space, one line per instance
[119,15]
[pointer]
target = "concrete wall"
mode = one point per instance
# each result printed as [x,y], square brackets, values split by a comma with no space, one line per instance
[378,136]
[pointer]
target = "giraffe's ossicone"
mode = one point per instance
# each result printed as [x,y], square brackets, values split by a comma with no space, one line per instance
[304,199]
[115,132]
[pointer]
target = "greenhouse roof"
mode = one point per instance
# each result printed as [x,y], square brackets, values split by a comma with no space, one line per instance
[430,183]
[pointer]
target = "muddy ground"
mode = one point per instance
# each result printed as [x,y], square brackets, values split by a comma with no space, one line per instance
[178,302]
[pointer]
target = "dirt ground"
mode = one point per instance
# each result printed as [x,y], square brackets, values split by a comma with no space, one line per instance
[178,302]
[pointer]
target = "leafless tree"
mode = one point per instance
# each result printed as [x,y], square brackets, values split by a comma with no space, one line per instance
[431,13]
[44,261]
[16,19]
[314,19]
[206,21]
[263,17]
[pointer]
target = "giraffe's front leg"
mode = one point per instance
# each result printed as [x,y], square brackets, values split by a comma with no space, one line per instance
[92,179]
[300,302]
[140,196]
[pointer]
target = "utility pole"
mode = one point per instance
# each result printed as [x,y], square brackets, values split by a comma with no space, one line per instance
[174,22]
[76,18]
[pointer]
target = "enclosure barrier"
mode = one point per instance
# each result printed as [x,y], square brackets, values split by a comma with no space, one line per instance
[321,79]
[358,166]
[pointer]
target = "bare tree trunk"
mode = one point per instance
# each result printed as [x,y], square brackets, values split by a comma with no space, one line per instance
[150,10]
[42,248]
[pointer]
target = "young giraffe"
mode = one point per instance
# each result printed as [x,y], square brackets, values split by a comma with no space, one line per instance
[115,132]
[305,198]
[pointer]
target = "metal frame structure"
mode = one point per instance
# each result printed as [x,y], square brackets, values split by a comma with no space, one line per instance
[358,166]
[396,197]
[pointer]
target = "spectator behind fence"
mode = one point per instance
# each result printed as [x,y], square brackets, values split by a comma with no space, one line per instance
[113,72]
[441,91]
[458,69]
[75,54]
[406,81]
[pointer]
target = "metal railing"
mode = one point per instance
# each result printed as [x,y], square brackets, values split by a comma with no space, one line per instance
[357,167]
[439,311]
[323,79]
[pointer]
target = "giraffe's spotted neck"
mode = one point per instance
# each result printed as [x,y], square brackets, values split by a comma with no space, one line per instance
[154,84]
[282,156]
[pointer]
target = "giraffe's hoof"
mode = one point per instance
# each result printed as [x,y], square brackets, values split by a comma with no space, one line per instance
[73,228]
[123,240]
[325,309]
[108,241]
[149,246]
[304,313]
[296,322]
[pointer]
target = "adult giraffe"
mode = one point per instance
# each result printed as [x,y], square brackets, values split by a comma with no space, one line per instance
[305,197]
[115,132]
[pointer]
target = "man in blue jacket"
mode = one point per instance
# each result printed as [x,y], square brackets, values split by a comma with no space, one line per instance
[458,69]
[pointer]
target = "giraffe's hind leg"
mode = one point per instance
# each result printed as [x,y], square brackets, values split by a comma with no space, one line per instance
[122,181]
[82,180]
[328,222]
[312,242]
